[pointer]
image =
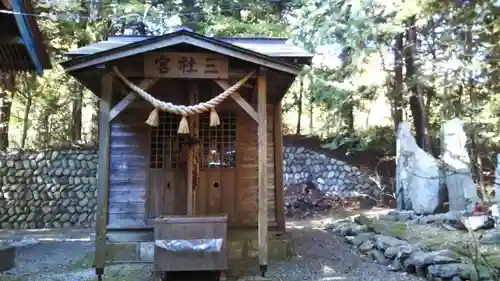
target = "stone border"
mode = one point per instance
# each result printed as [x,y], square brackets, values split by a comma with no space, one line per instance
[399,255]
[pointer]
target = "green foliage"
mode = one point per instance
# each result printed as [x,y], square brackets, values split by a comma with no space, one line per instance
[455,61]
[377,138]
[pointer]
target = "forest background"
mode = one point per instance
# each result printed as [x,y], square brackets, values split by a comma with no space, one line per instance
[376,63]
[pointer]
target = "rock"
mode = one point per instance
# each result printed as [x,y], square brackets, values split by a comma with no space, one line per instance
[491,237]
[366,246]
[378,256]
[345,230]
[420,258]
[349,239]
[361,238]
[405,215]
[65,217]
[395,265]
[383,242]
[82,217]
[477,222]
[385,227]
[357,229]
[80,194]
[464,271]
[462,191]
[40,156]
[83,202]
[420,187]
[403,250]
[421,271]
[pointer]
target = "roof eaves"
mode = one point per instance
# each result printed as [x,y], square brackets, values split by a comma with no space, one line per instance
[71,64]
[26,34]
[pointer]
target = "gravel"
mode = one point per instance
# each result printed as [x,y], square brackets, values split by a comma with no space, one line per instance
[321,256]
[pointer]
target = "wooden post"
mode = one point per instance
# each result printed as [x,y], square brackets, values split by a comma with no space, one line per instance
[278,167]
[103,174]
[262,169]
[193,152]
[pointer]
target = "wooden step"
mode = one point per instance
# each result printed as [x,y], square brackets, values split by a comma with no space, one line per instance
[7,257]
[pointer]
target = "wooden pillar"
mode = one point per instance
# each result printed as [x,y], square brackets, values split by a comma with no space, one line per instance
[278,167]
[103,173]
[193,152]
[262,168]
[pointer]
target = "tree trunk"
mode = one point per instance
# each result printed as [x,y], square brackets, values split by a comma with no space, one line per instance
[417,106]
[8,83]
[43,128]
[349,117]
[5,107]
[299,104]
[27,108]
[397,96]
[76,114]
[94,129]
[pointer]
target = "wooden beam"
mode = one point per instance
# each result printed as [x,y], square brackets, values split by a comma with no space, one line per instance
[11,40]
[278,167]
[239,100]
[129,98]
[128,70]
[262,169]
[7,4]
[103,173]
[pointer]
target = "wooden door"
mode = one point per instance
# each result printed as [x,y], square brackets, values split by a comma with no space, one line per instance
[167,178]
[216,191]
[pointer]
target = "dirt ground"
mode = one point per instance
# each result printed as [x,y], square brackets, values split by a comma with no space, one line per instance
[320,255]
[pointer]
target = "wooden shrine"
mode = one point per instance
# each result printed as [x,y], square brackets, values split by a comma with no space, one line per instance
[189,125]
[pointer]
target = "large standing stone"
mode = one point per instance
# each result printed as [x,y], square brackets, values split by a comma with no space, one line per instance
[497,186]
[417,174]
[461,189]
[402,170]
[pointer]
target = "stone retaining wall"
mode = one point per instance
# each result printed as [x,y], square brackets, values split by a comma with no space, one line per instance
[56,188]
[332,176]
[49,189]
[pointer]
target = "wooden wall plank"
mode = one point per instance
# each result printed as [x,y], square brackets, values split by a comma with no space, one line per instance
[228,196]
[128,168]
[161,192]
[126,208]
[214,193]
[126,220]
[246,181]
[180,192]
[202,195]
[127,195]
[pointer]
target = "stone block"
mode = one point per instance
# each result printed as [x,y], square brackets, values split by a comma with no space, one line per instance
[118,252]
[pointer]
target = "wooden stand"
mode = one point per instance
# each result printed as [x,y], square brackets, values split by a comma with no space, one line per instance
[190,228]
[7,257]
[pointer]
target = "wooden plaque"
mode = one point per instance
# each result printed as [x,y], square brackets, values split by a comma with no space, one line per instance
[186,65]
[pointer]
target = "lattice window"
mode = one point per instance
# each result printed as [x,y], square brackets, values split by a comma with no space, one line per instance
[165,147]
[218,144]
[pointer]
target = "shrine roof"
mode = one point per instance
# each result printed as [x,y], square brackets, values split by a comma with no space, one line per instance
[273,50]
[274,47]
